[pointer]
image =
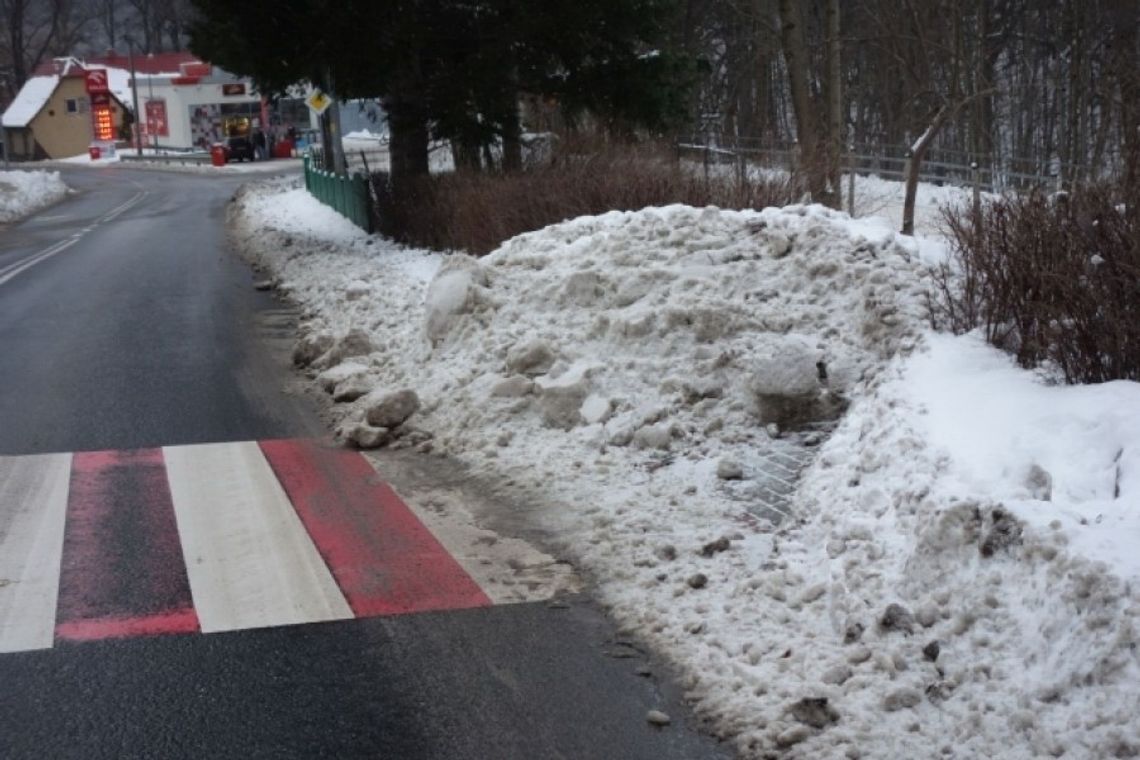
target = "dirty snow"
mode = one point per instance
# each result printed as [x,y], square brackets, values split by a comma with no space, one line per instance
[951,576]
[22,193]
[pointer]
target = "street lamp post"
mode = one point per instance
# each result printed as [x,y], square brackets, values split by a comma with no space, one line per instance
[134,90]
[150,99]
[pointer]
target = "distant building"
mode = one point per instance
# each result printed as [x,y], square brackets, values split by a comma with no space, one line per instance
[54,115]
[184,103]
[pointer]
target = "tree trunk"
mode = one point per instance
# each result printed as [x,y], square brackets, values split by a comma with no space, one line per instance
[408,145]
[512,144]
[834,107]
[807,130]
[465,153]
[918,152]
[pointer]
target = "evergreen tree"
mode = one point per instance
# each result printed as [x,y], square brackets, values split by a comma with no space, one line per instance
[455,68]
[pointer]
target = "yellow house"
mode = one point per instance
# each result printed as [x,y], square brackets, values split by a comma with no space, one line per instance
[53,116]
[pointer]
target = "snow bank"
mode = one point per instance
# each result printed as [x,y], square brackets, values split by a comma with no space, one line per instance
[652,383]
[1014,643]
[22,193]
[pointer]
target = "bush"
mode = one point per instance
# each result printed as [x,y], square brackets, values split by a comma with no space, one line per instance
[476,212]
[1054,280]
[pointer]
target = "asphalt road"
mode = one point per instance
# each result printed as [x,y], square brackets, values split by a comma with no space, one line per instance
[136,328]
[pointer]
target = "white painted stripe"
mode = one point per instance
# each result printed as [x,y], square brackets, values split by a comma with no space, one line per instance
[47,251]
[28,263]
[250,561]
[33,511]
[110,216]
[10,271]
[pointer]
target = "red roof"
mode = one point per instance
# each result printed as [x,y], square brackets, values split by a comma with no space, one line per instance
[155,63]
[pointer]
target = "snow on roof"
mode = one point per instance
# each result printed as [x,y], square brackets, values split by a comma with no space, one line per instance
[157,63]
[37,90]
[31,98]
[119,81]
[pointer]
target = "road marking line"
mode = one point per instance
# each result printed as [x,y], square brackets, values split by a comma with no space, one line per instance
[94,629]
[250,561]
[384,559]
[51,249]
[113,213]
[33,510]
[31,262]
[10,271]
[122,572]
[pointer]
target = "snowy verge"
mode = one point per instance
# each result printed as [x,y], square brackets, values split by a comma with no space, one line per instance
[649,380]
[23,192]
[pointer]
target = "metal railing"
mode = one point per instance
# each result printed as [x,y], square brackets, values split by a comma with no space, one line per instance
[167,158]
[347,195]
[940,166]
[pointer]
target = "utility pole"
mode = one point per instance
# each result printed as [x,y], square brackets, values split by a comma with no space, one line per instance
[134,90]
[150,99]
[336,149]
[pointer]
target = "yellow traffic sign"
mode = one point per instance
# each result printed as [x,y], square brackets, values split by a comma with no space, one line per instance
[318,101]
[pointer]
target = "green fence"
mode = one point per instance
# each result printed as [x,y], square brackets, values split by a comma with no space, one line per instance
[346,195]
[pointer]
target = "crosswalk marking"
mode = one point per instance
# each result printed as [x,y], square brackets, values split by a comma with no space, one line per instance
[210,538]
[33,511]
[112,587]
[250,561]
[384,559]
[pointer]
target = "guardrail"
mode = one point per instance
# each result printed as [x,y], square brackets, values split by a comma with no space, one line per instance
[166,158]
[347,195]
[889,162]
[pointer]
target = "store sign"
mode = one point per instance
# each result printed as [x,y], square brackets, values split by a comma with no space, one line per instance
[156,121]
[233,89]
[195,69]
[96,81]
[318,101]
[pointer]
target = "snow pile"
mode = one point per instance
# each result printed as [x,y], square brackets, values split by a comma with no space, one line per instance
[652,383]
[22,193]
[955,613]
[366,135]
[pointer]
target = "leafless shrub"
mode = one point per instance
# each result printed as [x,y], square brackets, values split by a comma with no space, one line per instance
[476,212]
[1053,279]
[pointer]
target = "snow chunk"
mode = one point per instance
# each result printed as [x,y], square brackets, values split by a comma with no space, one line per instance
[390,410]
[330,378]
[786,365]
[458,289]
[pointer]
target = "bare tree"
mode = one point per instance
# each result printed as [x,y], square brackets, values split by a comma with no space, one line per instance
[33,31]
[835,121]
[109,16]
[811,147]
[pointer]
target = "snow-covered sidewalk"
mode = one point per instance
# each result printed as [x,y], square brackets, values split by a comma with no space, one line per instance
[953,577]
[25,192]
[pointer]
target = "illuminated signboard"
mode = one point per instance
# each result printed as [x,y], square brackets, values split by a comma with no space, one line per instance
[156,122]
[233,89]
[101,121]
[95,80]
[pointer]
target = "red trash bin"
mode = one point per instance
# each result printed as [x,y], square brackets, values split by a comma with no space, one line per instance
[218,154]
[95,152]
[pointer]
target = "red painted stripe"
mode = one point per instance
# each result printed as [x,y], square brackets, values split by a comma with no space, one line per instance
[178,621]
[381,555]
[122,572]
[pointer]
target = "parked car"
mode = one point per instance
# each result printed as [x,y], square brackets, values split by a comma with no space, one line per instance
[239,148]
